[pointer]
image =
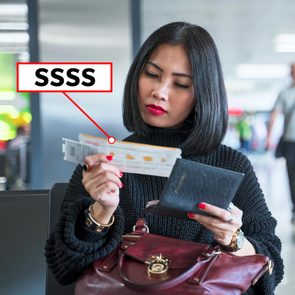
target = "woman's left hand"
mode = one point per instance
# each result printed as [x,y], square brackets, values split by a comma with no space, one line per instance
[222,223]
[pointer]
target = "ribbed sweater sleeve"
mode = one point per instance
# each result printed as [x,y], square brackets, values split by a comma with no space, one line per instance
[258,223]
[72,246]
[259,227]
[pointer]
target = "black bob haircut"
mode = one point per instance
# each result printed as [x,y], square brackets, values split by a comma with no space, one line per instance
[210,114]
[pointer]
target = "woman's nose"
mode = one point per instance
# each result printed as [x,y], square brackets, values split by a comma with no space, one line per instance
[161,93]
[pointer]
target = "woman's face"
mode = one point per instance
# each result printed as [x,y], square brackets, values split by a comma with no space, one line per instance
[166,93]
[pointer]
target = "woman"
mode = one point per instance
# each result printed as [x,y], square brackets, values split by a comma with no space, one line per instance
[174,96]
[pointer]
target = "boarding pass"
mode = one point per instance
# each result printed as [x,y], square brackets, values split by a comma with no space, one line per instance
[127,156]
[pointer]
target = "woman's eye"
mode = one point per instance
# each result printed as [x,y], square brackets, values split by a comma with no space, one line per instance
[181,85]
[150,74]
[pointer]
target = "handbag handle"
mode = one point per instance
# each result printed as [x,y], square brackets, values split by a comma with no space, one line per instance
[164,285]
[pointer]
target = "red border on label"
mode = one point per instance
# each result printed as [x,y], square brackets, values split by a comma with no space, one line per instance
[64,63]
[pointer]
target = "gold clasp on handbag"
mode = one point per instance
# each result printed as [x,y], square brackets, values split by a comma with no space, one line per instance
[157,266]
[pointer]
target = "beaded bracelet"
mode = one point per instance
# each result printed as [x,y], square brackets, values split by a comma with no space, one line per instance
[93,224]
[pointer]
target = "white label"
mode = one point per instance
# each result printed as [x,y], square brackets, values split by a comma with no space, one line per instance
[64,77]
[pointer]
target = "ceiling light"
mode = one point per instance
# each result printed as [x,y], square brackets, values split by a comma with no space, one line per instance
[14,26]
[14,37]
[285,47]
[259,71]
[7,95]
[239,85]
[285,38]
[13,9]
[284,43]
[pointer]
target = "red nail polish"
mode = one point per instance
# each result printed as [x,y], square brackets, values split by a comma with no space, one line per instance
[191,215]
[202,206]
[121,185]
[121,174]
[109,157]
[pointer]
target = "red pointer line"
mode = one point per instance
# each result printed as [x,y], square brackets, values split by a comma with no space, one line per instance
[105,133]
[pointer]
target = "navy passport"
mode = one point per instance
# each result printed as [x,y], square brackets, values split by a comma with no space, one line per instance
[191,183]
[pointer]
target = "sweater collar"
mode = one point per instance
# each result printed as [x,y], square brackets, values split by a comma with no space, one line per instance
[165,137]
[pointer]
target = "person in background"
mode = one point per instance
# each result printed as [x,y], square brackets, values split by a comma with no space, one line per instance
[18,158]
[245,131]
[174,96]
[285,104]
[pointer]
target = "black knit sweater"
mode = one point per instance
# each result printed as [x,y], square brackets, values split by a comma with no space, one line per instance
[72,246]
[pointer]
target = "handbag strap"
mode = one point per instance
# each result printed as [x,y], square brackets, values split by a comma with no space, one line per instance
[140,227]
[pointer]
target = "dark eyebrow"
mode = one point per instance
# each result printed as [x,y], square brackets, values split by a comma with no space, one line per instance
[175,74]
[155,65]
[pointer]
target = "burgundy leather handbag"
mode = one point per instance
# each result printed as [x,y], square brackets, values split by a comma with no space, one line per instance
[152,264]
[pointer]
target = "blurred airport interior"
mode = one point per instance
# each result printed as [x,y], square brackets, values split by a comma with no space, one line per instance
[256,42]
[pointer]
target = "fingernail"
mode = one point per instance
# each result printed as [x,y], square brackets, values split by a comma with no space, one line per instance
[121,185]
[121,174]
[202,206]
[191,215]
[109,157]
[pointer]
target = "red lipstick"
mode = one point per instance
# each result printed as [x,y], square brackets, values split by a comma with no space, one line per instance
[156,110]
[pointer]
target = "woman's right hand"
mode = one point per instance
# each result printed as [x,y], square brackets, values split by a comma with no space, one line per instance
[102,182]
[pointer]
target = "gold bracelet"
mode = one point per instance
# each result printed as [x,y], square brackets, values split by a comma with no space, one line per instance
[93,224]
